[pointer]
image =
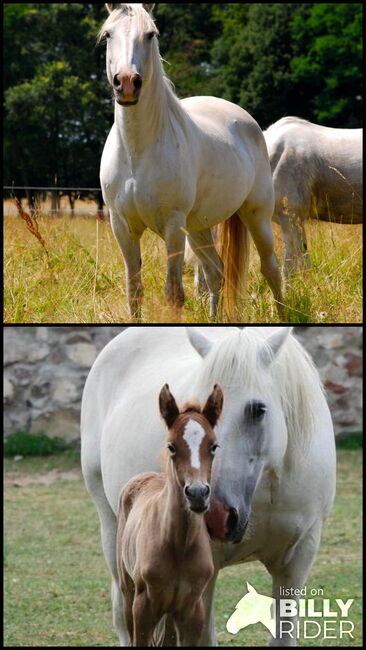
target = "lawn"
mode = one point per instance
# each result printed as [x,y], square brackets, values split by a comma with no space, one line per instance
[57,586]
[77,276]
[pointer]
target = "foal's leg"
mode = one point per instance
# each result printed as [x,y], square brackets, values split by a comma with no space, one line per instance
[144,620]
[260,228]
[175,243]
[293,573]
[129,244]
[190,625]
[202,244]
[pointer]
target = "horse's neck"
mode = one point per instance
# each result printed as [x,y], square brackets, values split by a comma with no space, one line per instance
[149,121]
[180,526]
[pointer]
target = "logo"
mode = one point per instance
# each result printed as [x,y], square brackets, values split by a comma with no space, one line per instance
[305,618]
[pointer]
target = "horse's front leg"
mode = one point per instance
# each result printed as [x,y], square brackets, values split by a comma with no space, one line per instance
[129,244]
[208,637]
[291,572]
[174,236]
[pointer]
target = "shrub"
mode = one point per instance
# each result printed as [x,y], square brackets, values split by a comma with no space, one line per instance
[31,444]
[350,441]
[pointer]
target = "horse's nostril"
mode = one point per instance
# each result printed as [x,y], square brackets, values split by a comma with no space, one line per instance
[232,520]
[205,490]
[186,491]
[137,82]
[116,81]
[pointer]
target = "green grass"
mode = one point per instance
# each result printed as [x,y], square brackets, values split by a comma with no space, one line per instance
[57,586]
[81,279]
[31,444]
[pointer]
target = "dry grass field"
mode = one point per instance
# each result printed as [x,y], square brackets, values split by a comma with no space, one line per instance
[78,276]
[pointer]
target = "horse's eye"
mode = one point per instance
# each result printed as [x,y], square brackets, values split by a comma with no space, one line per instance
[150,35]
[254,411]
[214,447]
[107,35]
[171,448]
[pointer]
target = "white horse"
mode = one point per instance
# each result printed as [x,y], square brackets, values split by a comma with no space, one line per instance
[181,167]
[317,173]
[273,476]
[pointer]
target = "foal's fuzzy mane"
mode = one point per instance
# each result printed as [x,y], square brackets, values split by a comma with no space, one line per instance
[235,363]
[191,405]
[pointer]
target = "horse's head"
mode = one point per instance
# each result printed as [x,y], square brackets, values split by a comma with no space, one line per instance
[130,34]
[252,432]
[192,444]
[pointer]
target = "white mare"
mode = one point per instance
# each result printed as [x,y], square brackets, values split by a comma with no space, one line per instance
[273,477]
[181,167]
[317,173]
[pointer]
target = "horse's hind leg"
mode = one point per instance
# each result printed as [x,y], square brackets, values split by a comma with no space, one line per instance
[174,236]
[260,228]
[202,244]
[288,572]
[295,248]
[130,247]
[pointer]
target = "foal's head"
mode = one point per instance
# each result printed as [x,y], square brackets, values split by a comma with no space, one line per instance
[192,443]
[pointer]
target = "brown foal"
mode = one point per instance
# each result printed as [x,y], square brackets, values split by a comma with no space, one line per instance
[163,550]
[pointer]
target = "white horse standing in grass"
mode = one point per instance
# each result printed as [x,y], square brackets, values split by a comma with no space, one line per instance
[317,173]
[181,167]
[273,476]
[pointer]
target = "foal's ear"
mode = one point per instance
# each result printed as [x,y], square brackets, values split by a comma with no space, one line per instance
[168,407]
[213,407]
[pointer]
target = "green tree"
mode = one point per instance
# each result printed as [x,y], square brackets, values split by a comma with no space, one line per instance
[328,64]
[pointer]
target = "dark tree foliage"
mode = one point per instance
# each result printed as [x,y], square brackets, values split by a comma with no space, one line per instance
[274,59]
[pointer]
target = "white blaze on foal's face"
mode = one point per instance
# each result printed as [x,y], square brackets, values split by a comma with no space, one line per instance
[193,435]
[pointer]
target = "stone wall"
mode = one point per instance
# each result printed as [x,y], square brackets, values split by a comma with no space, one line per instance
[46,368]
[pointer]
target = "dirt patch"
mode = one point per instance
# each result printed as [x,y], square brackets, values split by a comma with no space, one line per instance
[42,479]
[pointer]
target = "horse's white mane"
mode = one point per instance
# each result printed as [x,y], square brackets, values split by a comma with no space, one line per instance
[164,86]
[235,362]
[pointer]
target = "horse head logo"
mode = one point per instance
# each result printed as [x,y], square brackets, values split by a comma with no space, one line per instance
[253,608]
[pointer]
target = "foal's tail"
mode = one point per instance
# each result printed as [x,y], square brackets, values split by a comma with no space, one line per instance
[232,244]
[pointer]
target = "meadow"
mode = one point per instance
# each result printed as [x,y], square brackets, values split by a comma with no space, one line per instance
[56,586]
[77,276]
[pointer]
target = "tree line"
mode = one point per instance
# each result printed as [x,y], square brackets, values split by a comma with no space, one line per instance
[273,59]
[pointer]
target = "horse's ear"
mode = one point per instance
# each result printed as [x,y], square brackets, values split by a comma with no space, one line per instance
[251,589]
[199,342]
[213,407]
[273,344]
[168,407]
[148,7]
[112,7]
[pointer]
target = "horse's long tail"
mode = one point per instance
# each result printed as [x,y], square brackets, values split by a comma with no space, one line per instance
[232,242]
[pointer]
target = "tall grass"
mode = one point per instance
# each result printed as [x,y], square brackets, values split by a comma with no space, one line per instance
[78,276]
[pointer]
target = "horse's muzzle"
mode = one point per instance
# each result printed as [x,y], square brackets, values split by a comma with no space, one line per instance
[127,88]
[224,523]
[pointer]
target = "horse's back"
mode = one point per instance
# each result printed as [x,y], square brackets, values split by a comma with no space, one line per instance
[318,168]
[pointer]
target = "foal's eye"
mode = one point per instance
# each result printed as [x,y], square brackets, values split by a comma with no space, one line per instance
[214,447]
[171,449]
[254,411]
